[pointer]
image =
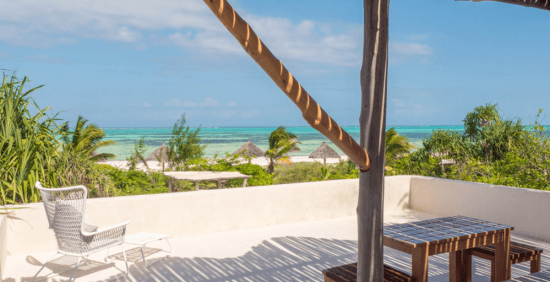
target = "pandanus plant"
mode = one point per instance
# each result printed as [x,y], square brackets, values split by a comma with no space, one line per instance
[28,144]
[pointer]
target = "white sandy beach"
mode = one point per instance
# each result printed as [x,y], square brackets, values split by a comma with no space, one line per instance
[155,165]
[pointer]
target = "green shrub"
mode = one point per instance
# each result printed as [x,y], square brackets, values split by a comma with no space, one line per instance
[135,182]
[259,177]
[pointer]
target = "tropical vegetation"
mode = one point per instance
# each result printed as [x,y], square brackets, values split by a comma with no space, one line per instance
[31,151]
[491,150]
[281,143]
[185,144]
[85,140]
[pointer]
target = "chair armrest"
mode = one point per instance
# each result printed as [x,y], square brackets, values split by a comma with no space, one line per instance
[101,230]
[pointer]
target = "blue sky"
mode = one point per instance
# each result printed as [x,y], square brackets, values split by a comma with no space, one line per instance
[143,63]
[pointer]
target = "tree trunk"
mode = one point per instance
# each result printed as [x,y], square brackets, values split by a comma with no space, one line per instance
[271,166]
[370,218]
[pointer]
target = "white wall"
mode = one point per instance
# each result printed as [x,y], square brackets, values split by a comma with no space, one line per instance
[3,245]
[527,210]
[396,192]
[197,212]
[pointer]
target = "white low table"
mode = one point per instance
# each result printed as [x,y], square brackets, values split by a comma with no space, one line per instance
[197,176]
[143,238]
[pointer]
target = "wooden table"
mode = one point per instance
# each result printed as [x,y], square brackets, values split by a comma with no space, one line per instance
[450,235]
[197,176]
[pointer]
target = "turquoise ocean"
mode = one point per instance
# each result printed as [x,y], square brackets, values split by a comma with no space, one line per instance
[229,139]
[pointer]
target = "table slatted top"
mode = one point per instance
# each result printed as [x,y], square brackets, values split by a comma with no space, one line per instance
[441,230]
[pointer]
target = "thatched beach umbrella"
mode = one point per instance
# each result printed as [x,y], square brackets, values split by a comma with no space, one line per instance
[251,150]
[323,152]
[161,152]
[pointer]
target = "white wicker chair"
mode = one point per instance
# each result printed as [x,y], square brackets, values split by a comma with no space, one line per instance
[65,209]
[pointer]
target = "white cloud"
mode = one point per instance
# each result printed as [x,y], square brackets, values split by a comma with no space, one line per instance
[309,41]
[410,48]
[190,104]
[190,24]
[209,102]
[174,102]
[232,104]
[401,52]
[145,104]
[398,103]
[41,23]
[207,40]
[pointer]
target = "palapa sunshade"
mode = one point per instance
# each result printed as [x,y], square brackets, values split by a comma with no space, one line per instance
[324,152]
[161,151]
[251,150]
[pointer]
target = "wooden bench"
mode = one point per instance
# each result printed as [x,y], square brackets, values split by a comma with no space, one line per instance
[533,277]
[518,253]
[348,273]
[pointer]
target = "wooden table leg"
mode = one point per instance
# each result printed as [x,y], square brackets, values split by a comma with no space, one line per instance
[466,266]
[503,267]
[170,185]
[196,185]
[455,266]
[420,264]
[460,266]
[535,264]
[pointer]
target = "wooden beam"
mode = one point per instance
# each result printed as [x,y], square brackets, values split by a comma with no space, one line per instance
[373,134]
[540,4]
[312,112]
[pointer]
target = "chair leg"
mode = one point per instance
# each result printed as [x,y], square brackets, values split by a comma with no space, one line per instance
[107,256]
[33,279]
[75,267]
[126,261]
[535,264]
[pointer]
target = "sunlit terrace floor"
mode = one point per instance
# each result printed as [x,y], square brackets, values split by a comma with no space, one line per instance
[292,252]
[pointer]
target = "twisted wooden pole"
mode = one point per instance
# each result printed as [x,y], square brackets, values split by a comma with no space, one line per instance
[539,4]
[315,116]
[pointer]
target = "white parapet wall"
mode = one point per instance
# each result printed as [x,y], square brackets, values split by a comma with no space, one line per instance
[3,245]
[207,211]
[527,210]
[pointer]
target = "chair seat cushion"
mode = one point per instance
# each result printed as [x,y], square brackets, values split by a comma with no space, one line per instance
[66,211]
[88,225]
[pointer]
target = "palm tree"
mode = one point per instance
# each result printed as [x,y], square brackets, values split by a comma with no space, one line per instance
[281,142]
[396,146]
[85,140]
